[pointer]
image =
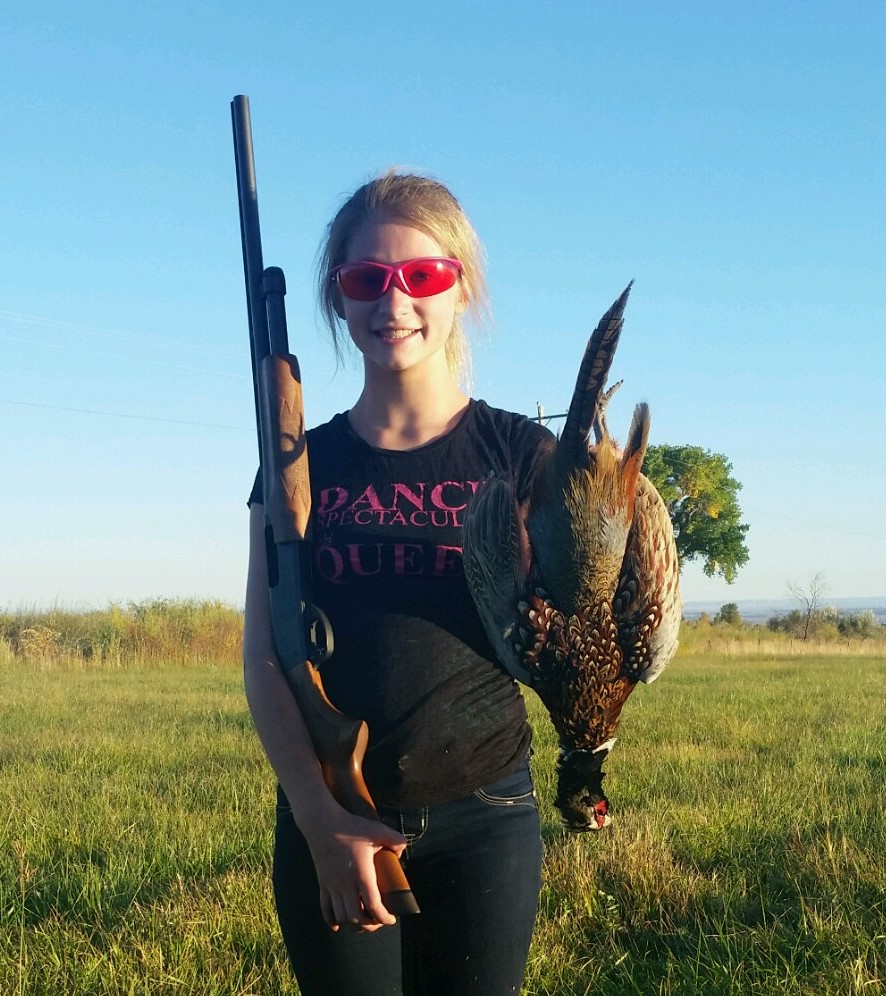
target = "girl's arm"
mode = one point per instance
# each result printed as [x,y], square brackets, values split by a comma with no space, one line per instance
[342,845]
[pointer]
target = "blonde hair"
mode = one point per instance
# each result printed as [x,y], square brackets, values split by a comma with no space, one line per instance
[421,203]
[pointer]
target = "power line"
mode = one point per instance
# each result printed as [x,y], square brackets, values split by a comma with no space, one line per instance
[123,356]
[61,326]
[142,418]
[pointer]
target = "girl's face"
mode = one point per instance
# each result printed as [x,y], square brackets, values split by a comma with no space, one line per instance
[396,332]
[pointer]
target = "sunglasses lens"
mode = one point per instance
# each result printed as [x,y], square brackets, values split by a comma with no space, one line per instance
[367,281]
[426,277]
[362,281]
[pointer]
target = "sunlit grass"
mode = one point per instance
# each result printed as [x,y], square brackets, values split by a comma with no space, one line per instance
[138,820]
[749,849]
[747,856]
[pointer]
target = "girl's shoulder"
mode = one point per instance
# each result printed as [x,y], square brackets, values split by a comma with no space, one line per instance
[519,430]
[521,442]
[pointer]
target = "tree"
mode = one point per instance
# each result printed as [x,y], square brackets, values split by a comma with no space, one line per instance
[810,598]
[701,498]
[728,615]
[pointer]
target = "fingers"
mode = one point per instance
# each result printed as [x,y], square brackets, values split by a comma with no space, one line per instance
[344,858]
[371,901]
[352,898]
[389,839]
[354,912]
[328,910]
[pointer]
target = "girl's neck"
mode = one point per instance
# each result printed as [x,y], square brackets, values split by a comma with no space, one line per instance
[403,413]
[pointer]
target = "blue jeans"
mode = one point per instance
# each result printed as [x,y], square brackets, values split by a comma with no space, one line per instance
[475,869]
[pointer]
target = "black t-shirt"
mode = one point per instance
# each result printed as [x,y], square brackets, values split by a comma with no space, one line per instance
[411,656]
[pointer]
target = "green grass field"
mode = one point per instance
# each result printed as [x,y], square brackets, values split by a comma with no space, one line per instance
[748,853]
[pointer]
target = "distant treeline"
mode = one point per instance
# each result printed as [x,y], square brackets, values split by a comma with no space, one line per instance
[168,631]
[762,610]
[823,623]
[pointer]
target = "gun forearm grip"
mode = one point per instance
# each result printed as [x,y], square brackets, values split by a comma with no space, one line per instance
[284,448]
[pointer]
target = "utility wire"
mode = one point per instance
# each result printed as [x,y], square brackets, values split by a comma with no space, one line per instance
[142,418]
[51,323]
[129,358]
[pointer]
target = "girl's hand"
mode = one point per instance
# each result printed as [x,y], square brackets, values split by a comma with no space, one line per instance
[343,850]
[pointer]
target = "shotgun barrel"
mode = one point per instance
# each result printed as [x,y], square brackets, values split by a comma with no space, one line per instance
[302,635]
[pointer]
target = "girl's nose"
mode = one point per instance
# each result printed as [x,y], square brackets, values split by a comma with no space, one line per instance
[394,301]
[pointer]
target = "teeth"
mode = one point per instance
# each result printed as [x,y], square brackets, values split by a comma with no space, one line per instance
[395,333]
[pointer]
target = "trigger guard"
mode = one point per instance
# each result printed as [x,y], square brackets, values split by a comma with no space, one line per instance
[319,635]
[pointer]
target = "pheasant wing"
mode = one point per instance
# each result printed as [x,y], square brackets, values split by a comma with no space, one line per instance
[496,559]
[647,606]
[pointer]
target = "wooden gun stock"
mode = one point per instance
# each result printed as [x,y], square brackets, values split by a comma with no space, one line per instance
[340,743]
[302,635]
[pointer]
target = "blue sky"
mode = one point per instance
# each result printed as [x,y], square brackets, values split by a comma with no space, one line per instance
[728,157]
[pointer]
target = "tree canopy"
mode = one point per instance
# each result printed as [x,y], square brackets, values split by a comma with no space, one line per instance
[701,496]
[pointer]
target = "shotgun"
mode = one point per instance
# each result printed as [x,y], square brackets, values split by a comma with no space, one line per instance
[302,635]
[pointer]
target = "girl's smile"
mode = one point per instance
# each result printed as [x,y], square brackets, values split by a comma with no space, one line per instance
[395,334]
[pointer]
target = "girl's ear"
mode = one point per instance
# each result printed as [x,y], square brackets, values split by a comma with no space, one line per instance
[337,303]
[464,298]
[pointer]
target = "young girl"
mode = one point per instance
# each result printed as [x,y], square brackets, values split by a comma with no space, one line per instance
[447,763]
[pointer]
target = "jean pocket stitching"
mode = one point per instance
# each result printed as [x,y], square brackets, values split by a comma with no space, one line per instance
[524,799]
[414,838]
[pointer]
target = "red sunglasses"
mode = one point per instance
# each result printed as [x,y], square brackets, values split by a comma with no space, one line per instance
[366,280]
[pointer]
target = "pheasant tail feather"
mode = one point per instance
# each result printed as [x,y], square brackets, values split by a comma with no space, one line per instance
[591,379]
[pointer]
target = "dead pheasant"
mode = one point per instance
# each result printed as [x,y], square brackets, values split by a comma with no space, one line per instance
[578,587]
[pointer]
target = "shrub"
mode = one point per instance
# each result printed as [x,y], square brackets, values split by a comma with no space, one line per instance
[156,630]
[728,615]
[860,624]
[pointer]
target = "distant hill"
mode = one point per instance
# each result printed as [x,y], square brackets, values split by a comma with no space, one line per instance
[758,610]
